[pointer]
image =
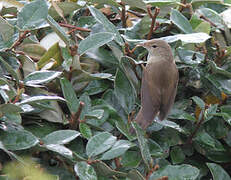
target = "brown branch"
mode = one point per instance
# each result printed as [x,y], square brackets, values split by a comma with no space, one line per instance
[189,141]
[74,27]
[20,39]
[156,167]
[75,118]
[206,19]
[123,15]
[153,17]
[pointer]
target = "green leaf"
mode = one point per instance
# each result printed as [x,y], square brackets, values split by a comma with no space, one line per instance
[85,130]
[162,2]
[95,41]
[218,172]
[9,69]
[108,26]
[18,140]
[131,159]
[62,150]
[187,38]
[97,113]
[136,3]
[34,99]
[59,31]
[53,55]
[181,21]
[96,87]
[69,95]
[33,15]
[143,144]
[118,149]
[7,34]
[60,137]
[40,77]
[124,91]
[155,149]
[85,171]
[212,16]
[199,102]
[200,2]
[179,172]
[171,124]
[99,144]
[10,108]
[177,155]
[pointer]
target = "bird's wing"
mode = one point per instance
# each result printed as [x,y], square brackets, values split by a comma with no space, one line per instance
[150,94]
[169,90]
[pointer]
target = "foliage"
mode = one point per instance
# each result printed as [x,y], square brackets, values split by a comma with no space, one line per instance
[70,85]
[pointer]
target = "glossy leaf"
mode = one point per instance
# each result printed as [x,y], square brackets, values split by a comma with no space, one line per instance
[69,95]
[143,144]
[95,41]
[85,171]
[60,149]
[181,21]
[85,130]
[218,172]
[18,140]
[108,26]
[124,91]
[40,99]
[60,137]
[136,3]
[100,143]
[199,102]
[180,172]
[33,15]
[118,149]
[40,77]
[162,2]
[52,55]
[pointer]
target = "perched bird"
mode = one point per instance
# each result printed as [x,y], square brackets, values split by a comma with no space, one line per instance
[159,83]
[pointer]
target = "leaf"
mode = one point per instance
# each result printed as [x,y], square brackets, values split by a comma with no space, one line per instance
[18,140]
[187,38]
[59,31]
[171,124]
[136,3]
[10,108]
[40,99]
[62,150]
[124,91]
[118,149]
[40,77]
[179,172]
[60,137]
[162,2]
[199,102]
[69,95]
[85,171]
[9,69]
[33,15]
[218,172]
[212,16]
[109,27]
[177,155]
[181,21]
[94,41]
[85,130]
[52,55]
[144,149]
[97,113]
[99,144]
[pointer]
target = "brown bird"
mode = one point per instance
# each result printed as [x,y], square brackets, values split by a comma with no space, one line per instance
[159,82]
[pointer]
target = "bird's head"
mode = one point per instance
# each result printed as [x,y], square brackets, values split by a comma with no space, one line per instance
[157,48]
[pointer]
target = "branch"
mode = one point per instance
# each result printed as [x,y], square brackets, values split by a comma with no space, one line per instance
[153,17]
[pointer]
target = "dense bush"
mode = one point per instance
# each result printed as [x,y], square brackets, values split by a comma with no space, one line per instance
[70,88]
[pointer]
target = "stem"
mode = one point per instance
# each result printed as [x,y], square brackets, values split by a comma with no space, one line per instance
[153,17]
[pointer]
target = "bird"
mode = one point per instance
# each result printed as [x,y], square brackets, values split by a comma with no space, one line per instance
[159,83]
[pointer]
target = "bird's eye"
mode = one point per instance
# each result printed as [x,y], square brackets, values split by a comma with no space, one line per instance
[154,46]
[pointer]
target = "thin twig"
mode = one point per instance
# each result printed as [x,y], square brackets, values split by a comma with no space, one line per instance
[75,119]
[74,27]
[123,15]
[20,39]
[153,17]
